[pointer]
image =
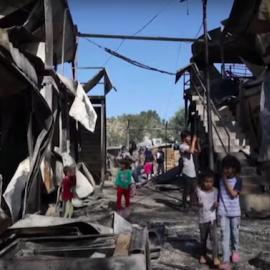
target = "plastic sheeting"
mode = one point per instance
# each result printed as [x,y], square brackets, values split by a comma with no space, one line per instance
[265,119]
[83,187]
[82,110]
[14,191]
[83,168]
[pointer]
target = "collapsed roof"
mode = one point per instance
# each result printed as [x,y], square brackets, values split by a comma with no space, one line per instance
[235,42]
[24,20]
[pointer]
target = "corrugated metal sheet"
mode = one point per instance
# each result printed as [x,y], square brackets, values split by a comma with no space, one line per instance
[241,17]
[19,59]
[8,7]
[59,8]
[91,146]
[14,68]
[96,79]
[35,26]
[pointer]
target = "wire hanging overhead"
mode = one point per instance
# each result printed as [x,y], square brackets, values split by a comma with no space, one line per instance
[132,62]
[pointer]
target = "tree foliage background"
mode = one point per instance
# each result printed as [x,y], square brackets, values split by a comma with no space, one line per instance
[145,124]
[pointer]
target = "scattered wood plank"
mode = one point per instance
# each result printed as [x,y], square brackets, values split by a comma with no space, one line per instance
[122,245]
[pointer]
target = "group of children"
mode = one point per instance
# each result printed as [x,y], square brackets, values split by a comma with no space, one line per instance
[218,202]
[220,207]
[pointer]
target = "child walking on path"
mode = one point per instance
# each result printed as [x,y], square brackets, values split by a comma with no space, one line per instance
[123,182]
[69,183]
[207,200]
[229,211]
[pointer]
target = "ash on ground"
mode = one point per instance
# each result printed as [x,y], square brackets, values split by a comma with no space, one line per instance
[181,242]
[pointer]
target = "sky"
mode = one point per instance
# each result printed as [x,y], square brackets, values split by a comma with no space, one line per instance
[138,89]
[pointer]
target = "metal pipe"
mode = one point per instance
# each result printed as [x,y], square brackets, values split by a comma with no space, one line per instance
[128,133]
[102,144]
[172,39]
[90,67]
[208,97]
[134,128]
[63,41]
[166,134]
[186,111]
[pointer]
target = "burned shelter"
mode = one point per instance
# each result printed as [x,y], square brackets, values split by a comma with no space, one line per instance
[239,99]
[45,116]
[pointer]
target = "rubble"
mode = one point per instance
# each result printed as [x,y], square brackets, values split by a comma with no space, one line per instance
[111,243]
[178,242]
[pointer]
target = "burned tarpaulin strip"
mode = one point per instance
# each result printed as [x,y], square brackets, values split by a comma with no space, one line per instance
[181,72]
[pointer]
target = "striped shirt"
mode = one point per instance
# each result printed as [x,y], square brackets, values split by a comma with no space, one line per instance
[229,206]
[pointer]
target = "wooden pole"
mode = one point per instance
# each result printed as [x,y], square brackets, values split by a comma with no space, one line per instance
[64,117]
[48,88]
[75,79]
[208,96]
[128,133]
[186,111]
[166,135]
[30,141]
[63,41]
[102,148]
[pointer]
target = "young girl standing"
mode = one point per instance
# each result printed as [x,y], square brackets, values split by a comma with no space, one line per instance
[149,158]
[123,182]
[229,211]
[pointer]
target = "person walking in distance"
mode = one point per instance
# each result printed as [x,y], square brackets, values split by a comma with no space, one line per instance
[160,156]
[207,201]
[187,148]
[229,211]
[148,162]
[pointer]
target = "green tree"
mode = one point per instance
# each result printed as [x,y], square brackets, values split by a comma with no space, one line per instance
[178,123]
[144,124]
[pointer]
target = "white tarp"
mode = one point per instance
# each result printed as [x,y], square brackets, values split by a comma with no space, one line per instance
[14,191]
[83,186]
[82,110]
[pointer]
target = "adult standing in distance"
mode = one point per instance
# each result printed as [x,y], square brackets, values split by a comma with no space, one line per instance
[187,148]
[160,157]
